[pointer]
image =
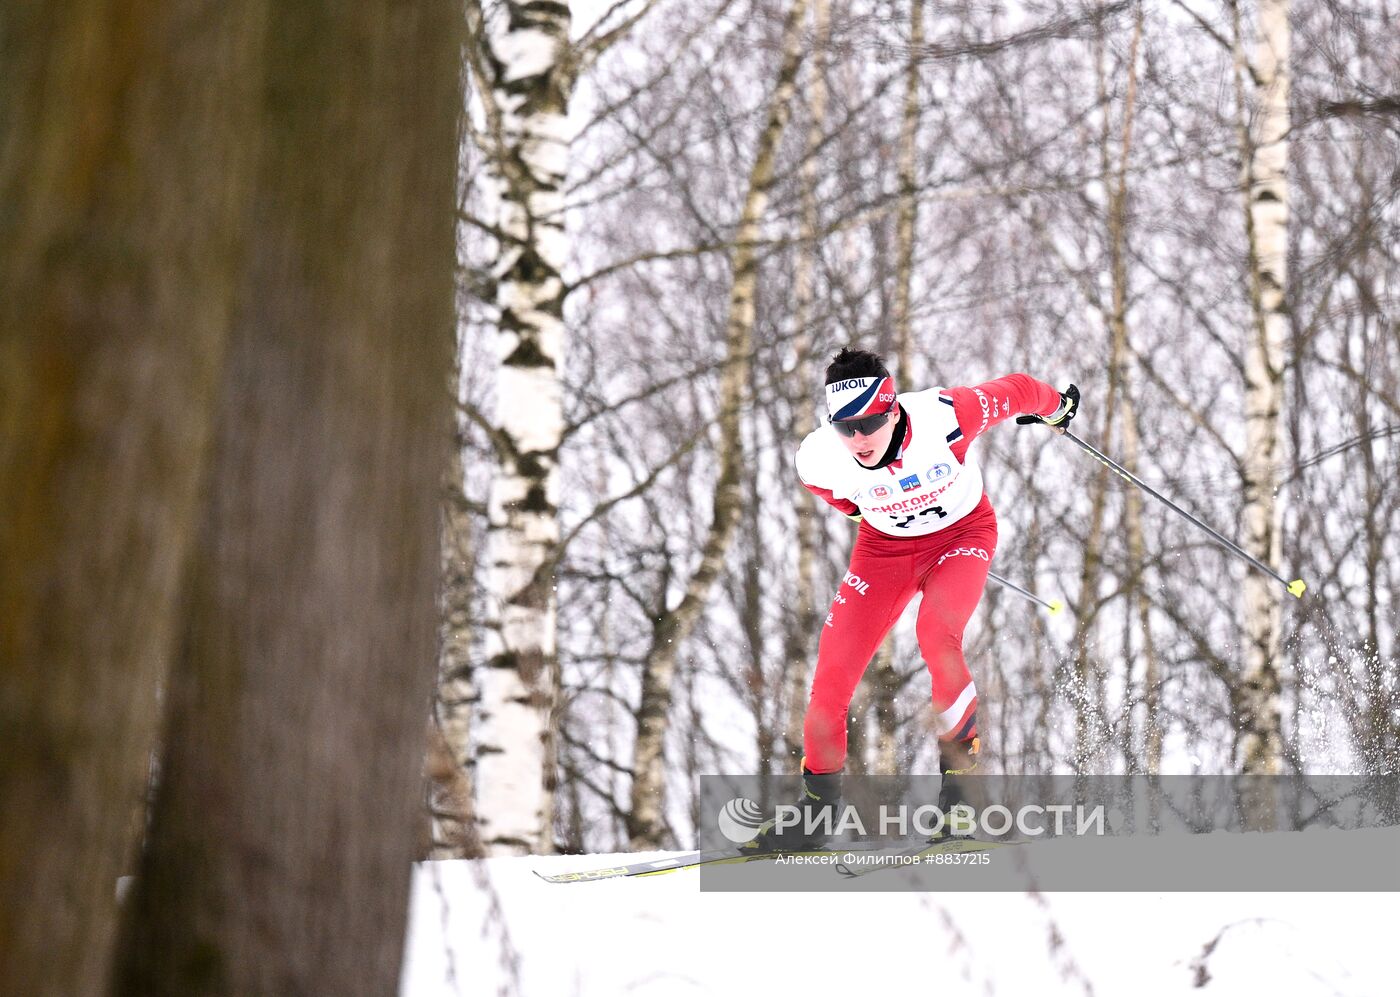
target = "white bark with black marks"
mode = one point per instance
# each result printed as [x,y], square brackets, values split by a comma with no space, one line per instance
[526,62]
[1263,128]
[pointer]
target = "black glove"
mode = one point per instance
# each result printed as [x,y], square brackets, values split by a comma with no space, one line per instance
[1069,405]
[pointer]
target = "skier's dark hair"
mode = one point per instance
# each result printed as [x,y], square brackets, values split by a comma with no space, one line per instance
[855,363]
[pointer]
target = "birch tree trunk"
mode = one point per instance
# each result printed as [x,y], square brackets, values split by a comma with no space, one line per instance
[1117,406]
[1263,133]
[291,783]
[907,217]
[526,74]
[645,824]
[884,676]
[806,620]
[124,154]
[1138,613]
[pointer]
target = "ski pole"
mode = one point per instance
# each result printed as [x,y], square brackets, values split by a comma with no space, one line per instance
[1054,605]
[1295,587]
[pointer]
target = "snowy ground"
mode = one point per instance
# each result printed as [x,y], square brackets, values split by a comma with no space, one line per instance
[493,927]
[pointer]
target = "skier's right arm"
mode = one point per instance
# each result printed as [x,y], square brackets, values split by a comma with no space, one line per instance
[846,506]
[810,476]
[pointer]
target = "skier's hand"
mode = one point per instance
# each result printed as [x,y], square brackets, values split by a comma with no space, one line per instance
[1059,419]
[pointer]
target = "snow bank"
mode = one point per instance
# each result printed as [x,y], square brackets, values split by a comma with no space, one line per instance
[493,927]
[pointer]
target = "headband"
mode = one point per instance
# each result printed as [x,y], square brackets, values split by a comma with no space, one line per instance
[858,397]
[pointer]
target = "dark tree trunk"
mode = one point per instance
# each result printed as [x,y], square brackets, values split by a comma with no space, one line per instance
[291,788]
[123,159]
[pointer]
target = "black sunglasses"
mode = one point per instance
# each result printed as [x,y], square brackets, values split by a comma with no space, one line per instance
[870,424]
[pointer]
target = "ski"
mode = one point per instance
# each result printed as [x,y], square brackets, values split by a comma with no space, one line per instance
[692,860]
[927,847]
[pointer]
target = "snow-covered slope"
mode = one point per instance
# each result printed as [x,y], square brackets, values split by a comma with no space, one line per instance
[493,927]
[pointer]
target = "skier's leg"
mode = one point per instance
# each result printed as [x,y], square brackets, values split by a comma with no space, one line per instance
[878,585]
[951,590]
[952,587]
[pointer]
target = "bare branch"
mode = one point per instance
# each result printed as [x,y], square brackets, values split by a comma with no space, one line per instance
[588,49]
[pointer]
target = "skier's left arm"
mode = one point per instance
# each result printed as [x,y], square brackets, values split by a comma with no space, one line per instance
[981,406]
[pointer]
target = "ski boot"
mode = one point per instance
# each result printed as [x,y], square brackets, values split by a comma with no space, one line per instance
[956,761]
[821,795]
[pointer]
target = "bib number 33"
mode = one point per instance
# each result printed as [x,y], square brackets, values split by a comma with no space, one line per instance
[907,521]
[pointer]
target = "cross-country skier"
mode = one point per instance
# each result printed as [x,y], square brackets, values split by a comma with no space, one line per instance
[898,464]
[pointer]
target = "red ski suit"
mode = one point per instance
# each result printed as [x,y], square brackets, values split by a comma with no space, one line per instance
[948,567]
